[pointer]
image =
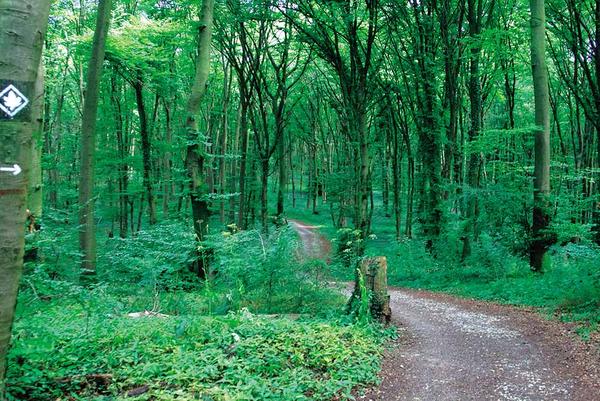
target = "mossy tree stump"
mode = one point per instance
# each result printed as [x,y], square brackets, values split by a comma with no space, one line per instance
[374,273]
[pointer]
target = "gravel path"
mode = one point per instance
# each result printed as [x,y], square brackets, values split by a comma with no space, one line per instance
[453,349]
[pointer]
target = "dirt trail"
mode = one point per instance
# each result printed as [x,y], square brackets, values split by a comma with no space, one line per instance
[453,349]
[314,244]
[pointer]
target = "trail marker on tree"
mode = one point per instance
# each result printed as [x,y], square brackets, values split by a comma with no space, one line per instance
[15,169]
[12,101]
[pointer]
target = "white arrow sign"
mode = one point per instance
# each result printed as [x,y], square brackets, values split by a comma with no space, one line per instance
[15,170]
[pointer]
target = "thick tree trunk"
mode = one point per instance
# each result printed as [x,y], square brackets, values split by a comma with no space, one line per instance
[542,239]
[21,48]
[364,176]
[87,228]
[194,160]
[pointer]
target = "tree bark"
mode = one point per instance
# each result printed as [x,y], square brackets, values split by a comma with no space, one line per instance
[21,48]
[243,164]
[194,160]
[542,239]
[123,152]
[138,86]
[474,16]
[87,229]
[282,176]
[34,196]
[224,137]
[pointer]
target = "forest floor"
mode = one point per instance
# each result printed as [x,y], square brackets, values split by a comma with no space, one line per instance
[454,349]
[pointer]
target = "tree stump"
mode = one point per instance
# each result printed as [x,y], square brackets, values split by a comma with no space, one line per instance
[374,272]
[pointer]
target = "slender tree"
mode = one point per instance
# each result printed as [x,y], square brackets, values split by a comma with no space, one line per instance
[541,187]
[87,229]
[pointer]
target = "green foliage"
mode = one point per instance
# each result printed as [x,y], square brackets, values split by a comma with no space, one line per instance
[349,246]
[157,258]
[363,314]
[82,343]
[235,357]
[266,274]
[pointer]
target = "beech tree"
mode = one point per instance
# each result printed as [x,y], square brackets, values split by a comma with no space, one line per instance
[87,233]
[542,239]
[21,48]
[194,159]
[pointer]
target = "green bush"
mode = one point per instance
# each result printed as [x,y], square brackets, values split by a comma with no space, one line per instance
[266,274]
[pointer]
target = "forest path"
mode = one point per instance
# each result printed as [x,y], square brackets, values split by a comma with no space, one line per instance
[454,349]
[315,245]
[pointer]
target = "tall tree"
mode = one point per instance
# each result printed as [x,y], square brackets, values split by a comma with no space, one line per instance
[194,160]
[87,227]
[541,187]
[22,36]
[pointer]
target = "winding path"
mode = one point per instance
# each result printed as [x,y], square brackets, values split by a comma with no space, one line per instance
[453,349]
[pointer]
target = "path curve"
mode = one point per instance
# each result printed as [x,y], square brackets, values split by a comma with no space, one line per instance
[456,350]
[314,244]
[453,349]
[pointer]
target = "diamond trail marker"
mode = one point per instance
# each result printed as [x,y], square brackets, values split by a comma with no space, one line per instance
[12,101]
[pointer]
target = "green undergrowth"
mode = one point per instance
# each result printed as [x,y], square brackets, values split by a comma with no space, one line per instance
[234,357]
[264,326]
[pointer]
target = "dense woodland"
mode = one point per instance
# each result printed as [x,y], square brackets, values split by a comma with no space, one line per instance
[174,139]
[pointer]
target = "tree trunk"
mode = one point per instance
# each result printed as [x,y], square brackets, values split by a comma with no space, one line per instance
[282,176]
[167,162]
[243,162]
[224,138]
[34,196]
[541,190]
[194,160]
[138,87]
[470,231]
[264,185]
[21,49]
[122,150]
[87,229]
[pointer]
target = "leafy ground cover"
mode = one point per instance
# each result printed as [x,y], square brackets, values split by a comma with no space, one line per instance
[266,327]
[234,357]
